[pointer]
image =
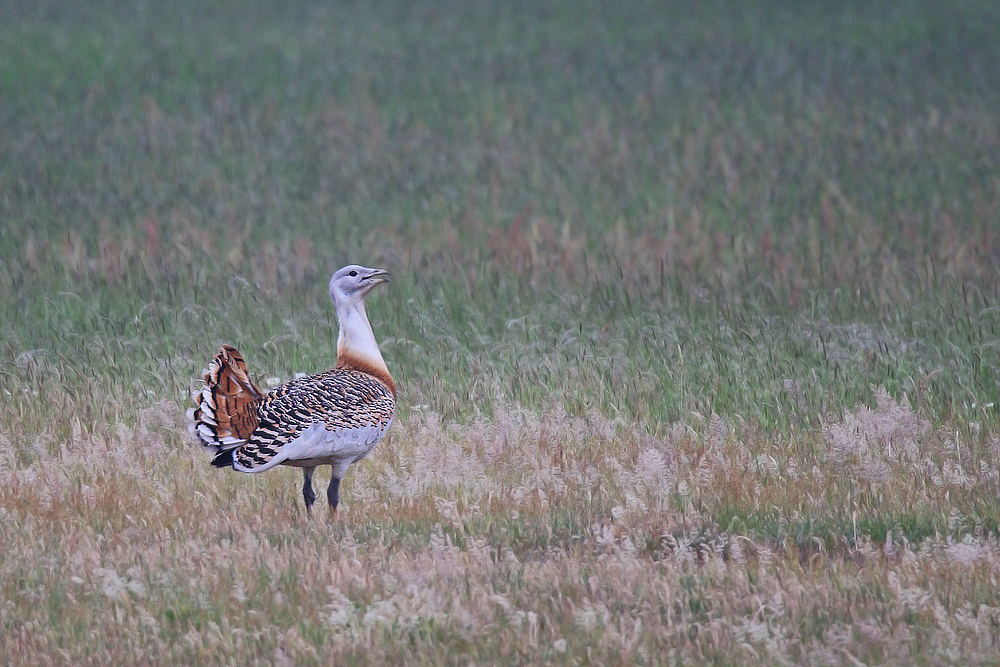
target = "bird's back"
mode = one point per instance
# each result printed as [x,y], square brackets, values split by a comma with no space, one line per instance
[342,412]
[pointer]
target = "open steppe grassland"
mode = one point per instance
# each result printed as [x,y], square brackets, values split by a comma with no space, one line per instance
[694,317]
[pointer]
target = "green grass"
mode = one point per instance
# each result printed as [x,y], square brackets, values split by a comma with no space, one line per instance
[694,318]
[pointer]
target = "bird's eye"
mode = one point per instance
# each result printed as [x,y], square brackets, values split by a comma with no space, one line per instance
[353,274]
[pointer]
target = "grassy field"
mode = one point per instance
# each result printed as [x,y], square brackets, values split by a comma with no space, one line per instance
[695,319]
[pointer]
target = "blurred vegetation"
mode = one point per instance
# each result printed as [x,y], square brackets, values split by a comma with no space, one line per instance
[648,208]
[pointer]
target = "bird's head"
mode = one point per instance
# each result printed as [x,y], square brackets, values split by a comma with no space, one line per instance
[350,285]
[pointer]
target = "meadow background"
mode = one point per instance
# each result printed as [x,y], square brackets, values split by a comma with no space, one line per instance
[694,319]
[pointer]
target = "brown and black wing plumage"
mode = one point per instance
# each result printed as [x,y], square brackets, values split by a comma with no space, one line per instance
[342,399]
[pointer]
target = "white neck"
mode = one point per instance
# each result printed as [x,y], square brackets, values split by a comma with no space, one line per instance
[356,345]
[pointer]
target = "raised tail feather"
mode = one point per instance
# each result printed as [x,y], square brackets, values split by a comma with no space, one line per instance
[226,412]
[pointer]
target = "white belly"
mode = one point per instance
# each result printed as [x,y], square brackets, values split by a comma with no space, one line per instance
[318,446]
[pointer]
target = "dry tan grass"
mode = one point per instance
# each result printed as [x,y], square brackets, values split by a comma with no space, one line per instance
[524,538]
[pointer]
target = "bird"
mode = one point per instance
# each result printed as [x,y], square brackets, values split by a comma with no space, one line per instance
[333,418]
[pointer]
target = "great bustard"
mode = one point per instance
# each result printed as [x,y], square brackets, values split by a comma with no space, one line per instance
[333,418]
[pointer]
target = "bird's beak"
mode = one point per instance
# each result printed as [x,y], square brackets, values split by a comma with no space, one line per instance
[379,276]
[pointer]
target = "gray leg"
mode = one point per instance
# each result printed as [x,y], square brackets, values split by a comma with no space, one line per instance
[307,488]
[333,493]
